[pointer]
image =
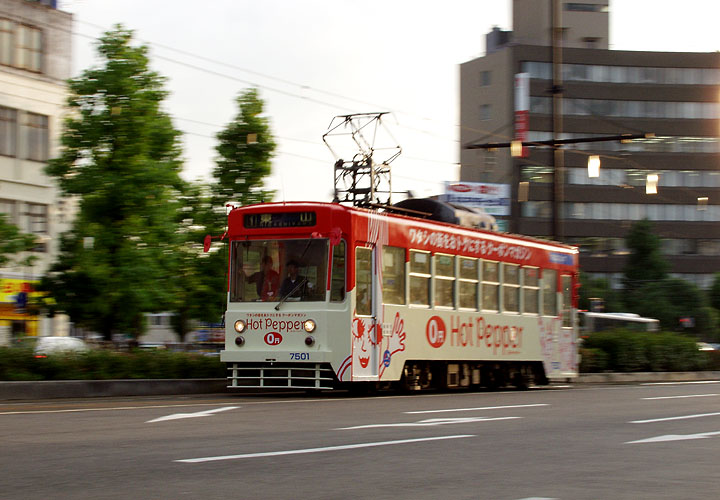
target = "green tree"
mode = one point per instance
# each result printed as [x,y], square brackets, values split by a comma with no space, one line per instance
[245,150]
[120,157]
[198,281]
[645,266]
[714,292]
[13,243]
[599,288]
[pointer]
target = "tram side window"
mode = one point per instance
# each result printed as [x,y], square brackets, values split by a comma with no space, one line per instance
[549,292]
[337,276]
[468,284]
[444,280]
[511,287]
[490,285]
[530,290]
[393,275]
[419,278]
[363,281]
[567,300]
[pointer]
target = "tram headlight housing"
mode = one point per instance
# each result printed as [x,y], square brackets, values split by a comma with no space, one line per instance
[309,340]
[309,325]
[240,326]
[239,341]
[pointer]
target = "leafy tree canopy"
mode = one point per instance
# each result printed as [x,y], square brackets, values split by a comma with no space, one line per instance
[14,242]
[120,156]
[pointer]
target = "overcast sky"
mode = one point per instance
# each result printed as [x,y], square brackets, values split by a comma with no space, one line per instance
[315,59]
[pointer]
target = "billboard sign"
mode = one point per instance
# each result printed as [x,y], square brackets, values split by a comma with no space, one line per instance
[493,198]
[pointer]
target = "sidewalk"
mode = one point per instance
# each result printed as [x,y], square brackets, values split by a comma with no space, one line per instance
[58,389]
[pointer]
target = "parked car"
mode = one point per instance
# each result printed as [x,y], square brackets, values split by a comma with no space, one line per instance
[54,345]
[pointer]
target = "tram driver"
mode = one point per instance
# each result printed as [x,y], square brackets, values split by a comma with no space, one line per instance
[294,285]
[266,280]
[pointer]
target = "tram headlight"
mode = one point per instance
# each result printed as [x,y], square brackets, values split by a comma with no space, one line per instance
[309,325]
[239,341]
[309,340]
[239,326]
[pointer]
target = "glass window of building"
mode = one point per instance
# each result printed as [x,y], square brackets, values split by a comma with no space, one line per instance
[36,135]
[8,131]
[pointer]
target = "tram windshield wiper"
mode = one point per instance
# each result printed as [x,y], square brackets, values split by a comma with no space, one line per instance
[289,294]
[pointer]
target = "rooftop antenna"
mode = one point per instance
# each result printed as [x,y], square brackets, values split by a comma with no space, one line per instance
[364,180]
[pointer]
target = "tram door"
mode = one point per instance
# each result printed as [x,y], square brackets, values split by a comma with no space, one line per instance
[366,347]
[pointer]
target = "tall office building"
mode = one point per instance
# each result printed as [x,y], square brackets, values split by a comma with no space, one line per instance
[674,96]
[35,62]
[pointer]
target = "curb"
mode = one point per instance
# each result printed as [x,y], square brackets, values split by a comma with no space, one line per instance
[57,389]
[657,377]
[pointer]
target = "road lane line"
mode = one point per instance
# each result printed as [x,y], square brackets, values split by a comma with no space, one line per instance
[676,437]
[666,419]
[681,397]
[321,450]
[429,422]
[683,383]
[197,414]
[475,409]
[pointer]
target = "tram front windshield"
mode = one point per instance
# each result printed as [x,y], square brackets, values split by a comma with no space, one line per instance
[274,270]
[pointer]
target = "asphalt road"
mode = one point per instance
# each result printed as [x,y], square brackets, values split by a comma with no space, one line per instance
[654,441]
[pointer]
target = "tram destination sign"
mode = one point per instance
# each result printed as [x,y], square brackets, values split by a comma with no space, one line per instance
[280,219]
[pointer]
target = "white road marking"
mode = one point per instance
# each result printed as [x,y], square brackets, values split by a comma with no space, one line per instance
[676,437]
[321,450]
[683,383]
[113,408]
[682,417]
[688,396]
[475,409]
[205,413]
[428,423]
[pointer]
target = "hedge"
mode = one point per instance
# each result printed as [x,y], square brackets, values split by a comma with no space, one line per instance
[19,363]
[631,351]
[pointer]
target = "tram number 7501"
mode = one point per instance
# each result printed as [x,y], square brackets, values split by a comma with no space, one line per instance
[300,356]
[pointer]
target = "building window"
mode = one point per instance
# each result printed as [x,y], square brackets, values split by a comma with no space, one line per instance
[37,218]
[586,7]
[485,78]
[393,278]
[8,131]
[36,136]
[6,42]
[484,112]
[20,46]
[28,48]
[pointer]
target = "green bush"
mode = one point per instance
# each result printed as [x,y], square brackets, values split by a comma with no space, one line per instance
[21,364]
[593,360]
[632,351]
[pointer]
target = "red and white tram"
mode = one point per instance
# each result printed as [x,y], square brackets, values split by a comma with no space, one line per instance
[323,296]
